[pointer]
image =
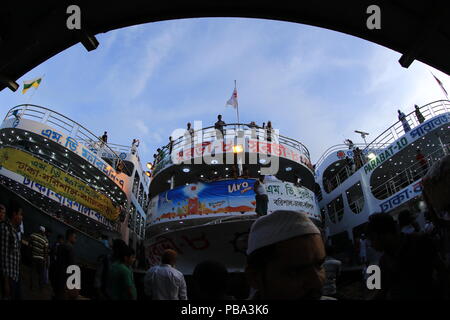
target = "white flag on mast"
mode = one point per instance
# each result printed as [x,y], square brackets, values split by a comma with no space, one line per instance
[233,100]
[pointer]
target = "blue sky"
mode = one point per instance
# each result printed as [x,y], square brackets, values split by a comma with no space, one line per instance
[315,85]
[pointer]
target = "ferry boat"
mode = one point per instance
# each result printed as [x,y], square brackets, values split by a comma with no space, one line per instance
[65,176]
[389,177]
[202,200]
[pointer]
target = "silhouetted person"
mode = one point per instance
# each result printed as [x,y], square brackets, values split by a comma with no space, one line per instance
[408,263]
[422,162]
[269,131]
[261,197]
[212,280]
[219,126]
[65,257]
[419,115]
[407,223]
[402,118]
[105,137]
[170,145]
[357,157]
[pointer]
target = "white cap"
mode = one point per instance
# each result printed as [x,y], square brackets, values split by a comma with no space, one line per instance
[42,228]
[279,226]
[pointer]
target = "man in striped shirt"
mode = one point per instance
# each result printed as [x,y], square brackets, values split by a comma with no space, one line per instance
[39,254]
[10,253]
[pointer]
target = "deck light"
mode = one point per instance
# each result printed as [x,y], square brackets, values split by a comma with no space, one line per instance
[186,170]
[238,148]
[149,166]
[148,173]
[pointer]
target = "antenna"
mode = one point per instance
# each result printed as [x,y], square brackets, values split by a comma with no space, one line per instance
[363,135]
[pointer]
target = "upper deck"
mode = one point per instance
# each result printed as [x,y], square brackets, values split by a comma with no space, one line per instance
[78,169]
[331,168]
[210,155]
[390,172]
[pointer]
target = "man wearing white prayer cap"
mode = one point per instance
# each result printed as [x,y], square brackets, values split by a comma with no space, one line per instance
[285,256]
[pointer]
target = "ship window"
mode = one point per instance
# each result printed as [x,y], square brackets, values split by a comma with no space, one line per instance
[336,209]
[132,217]
[355,198]
[335,174]
[141,195]
[136,183]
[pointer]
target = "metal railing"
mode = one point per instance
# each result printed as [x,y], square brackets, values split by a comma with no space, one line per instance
[357,205]
[335,148]
[382,141]
[407,176]
[395,131]
[230,131]
[66,167]
[68,126]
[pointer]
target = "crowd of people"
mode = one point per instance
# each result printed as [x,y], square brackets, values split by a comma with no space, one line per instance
[220,133]
[287,258]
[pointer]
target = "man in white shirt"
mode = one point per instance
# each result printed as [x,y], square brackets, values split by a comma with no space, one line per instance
[164,282]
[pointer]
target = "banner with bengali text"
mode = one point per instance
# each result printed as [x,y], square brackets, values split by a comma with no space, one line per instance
[59,181]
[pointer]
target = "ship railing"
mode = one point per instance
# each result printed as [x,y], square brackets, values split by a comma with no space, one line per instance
[406,177]
[66,125]
[341,147]
[230,131]
[382,141]
[230,219]
[395,131]
[335,214]
[67,169]
[45,208]
[357,205]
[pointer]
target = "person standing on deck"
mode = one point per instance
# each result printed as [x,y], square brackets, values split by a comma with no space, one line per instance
[218,126]
[419,114]
[402,118]
[261,197]
[422,162]
[105,138]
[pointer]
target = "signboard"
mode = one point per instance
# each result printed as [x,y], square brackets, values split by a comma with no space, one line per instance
[228,197]
[413,190]
[408,138]
[57,180]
